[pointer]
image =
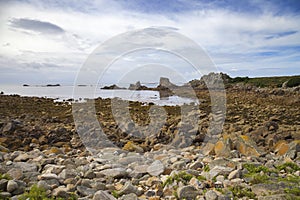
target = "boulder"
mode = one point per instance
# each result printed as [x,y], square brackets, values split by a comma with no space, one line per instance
[187,192]
[246,146]
[128,188]
[115,173]
[165,83]
[211,195]
[156,168]
[11,186]
[223,147]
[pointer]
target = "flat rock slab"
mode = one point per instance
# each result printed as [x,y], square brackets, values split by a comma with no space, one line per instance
[115,173]
[156,168]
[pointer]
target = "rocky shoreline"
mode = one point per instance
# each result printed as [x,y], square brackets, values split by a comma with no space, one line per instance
[257,155]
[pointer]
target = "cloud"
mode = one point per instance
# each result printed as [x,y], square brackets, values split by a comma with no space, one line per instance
[281,34]
[36,26]
[246,36]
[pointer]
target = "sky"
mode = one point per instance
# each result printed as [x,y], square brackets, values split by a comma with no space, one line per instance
[48,41]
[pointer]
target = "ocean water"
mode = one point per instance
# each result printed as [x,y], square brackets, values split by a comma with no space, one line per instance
[62,93]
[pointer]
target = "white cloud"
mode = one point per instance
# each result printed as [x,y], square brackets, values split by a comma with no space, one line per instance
[234,40]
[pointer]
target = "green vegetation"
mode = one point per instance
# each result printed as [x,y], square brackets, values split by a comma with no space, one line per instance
[5,176]
[257,178]
[201,178]
[239,79]
[206,168]
[293,82]
[181,176]
[239,192]
[292,182]
[115,194]
[292,197]
[255,169]
[288,167]
[273,82]
[254,173]
[294,191]
[37,193]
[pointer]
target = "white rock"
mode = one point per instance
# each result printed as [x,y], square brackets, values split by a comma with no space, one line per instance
[11,186]
[156,168]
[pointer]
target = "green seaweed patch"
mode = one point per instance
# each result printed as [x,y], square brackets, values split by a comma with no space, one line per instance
[5,176]
[294,191]
[181,176]
[288,167]
[258,178]
[37,193]
[201,178]
[206,168]
[239,192]
[256,169]
[115,193]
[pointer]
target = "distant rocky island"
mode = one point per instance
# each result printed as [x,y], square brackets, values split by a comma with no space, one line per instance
[214,81]
[113,87]
[48,85]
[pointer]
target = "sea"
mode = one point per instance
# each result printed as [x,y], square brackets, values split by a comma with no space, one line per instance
[80,93]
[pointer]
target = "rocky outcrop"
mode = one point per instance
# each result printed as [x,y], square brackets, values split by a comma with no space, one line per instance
[165,87]
[210,81]
[138,86]
[113,87]
[165,83]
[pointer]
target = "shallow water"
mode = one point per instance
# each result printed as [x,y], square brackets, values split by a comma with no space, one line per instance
[66,92]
